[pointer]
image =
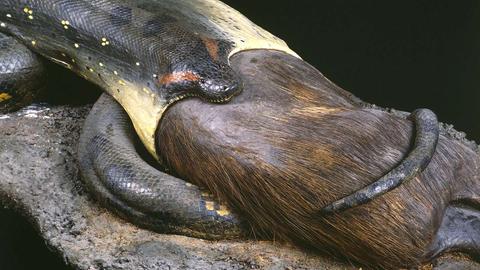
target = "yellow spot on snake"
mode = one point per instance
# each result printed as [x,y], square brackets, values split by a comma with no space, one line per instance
[105,42]
[223,211]
[9,15]
[28,11]
[3,25]
[65,24]
[76,45]
[210,205]
[34,42]
[4,97]
[121,82]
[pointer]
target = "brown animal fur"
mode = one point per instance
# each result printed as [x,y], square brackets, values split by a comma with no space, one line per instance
[293,142]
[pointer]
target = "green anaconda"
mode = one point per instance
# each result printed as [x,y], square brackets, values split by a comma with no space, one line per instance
[148,54]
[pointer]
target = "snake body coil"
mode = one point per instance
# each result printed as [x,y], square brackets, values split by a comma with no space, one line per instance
[117,175]
[21,74]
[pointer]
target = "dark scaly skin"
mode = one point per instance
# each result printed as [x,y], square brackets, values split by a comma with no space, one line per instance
[133,44]
[120,179]
[21,74]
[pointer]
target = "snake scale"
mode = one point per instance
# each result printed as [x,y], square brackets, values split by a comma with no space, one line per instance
[147,55]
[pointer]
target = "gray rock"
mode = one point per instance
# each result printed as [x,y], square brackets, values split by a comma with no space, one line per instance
[40,179]
[455,262]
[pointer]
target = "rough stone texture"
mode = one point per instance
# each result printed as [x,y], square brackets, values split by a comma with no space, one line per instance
[455,262]
[40,179]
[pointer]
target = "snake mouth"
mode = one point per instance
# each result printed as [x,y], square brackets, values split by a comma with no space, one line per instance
[219,100]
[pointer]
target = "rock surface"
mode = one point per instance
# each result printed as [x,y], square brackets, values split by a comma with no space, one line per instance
[39,178]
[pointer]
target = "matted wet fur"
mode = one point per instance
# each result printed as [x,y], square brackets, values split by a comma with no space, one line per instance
[293,142]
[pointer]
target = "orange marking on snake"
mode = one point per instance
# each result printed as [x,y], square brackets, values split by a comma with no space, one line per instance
[212,47]
[181,76]
[4,97]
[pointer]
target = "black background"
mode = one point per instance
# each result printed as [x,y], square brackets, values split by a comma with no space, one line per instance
[400,54]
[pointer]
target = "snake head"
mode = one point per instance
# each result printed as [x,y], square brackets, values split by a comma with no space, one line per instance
[216,83]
